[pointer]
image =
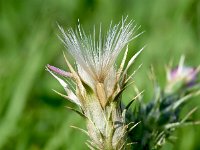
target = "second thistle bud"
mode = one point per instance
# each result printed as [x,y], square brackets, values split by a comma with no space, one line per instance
[180,77]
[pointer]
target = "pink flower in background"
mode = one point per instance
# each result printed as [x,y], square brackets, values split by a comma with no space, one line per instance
[189,74]
[181,76]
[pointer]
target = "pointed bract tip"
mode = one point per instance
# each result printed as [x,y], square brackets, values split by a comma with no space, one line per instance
[59,71]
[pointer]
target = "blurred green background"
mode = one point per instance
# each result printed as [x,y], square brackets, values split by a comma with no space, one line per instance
[32,116]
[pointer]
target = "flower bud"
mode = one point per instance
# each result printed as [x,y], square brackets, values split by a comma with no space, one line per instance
[98,84]
[180,77]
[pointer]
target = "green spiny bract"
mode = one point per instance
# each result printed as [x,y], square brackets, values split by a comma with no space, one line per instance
[161,116]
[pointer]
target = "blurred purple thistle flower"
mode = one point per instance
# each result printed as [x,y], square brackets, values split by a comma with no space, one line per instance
[188,73]
[181,76]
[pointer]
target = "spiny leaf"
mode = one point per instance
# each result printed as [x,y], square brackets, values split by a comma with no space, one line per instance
[124,144]
[133,126]
[62,82]
[67,97]
[189,114]
[122,63]
[89,146]
[134,72]
[71,95]
[130,124]
[75,75]
[131,143]
[93,145]
[131,61]
[82,130]
[118,95]
[181,101]
[184,99]
[138,33]
[178,124]
[138,92]
[78,112]
[129,104]
[159,136]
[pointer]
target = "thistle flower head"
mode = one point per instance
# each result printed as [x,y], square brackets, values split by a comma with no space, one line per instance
[99,84]
[95,59]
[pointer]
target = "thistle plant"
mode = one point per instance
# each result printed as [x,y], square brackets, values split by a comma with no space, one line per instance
[96,85]
[161,116]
